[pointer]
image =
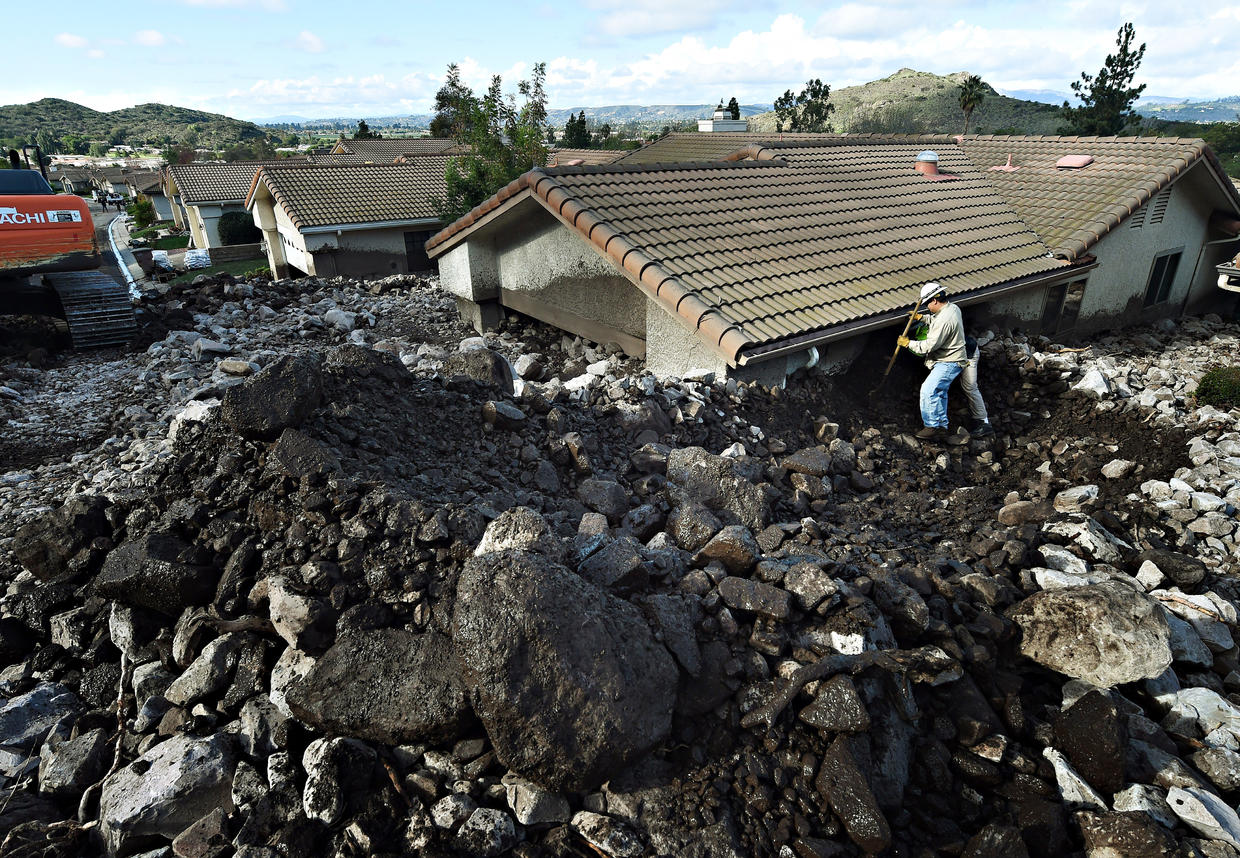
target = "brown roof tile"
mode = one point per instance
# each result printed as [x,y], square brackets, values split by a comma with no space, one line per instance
[390,148]
[325,195]
[562,157]
[207,182]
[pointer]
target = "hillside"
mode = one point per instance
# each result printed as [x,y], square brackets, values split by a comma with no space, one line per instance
[1219,110]
[145,123]
[920,102]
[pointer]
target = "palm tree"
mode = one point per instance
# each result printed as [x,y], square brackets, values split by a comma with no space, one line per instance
[972,93]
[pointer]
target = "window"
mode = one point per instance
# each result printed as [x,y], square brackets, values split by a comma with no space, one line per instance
[1162,276]
[1062,306]
[415,251]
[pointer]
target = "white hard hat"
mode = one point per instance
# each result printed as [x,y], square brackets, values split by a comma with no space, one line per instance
[929,291]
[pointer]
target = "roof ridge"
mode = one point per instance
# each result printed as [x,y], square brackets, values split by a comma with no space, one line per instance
[656,167]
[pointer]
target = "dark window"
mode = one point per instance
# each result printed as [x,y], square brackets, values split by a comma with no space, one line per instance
[1072,305]
[1052,307]
[1162,275]
[1062,306]
[415,251]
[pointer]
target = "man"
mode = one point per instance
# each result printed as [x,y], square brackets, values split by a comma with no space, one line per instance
[979,423]
[944,351]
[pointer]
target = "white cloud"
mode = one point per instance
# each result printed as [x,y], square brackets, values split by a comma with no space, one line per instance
[309,42]
[149,38]
[347,94]
[95,54]
[69,40]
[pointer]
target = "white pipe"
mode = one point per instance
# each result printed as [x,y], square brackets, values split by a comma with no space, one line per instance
[120,261]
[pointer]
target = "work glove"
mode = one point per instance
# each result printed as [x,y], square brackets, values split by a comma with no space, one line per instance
[917,317]
[902,341]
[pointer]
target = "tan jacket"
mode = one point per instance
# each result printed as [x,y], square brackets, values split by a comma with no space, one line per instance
[945,341]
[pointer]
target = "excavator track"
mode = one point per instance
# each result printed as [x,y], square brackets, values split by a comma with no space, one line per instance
[96,308]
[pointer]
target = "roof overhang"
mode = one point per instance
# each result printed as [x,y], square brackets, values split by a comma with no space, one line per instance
[378,224]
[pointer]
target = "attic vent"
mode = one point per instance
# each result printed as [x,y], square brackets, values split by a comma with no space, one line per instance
[1138,218]
[1005,168]
[1074,162]
[1158,208]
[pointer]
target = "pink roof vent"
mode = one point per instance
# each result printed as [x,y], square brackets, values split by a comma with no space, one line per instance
[1075,162]
[1005,168]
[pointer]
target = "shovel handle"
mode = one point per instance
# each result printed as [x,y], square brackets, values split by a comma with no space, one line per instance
[908,324]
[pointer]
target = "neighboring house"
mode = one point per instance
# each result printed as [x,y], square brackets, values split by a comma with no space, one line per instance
[149,183]
[73,180]
[364,220]
[111,180]
[387,149]
[755,256]
[576,157]
[205,192]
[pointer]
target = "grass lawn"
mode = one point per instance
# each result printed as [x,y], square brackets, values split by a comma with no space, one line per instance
[170,242]
[149,231]
[234,268]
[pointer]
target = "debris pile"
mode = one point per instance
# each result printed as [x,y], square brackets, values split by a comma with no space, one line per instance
[319,574]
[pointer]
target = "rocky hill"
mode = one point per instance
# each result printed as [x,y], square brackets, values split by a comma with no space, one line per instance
[144,123]
[911,101]
[314,571]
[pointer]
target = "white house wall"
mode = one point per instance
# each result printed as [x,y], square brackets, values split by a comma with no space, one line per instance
[293,243]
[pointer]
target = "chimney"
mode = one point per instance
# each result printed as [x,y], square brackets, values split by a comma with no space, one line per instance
[927,163]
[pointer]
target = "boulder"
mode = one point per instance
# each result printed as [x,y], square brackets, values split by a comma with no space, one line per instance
[567,679]
[482,365]
[1091,734]
[167,789]
[604,496]
[149,572]
[1124,835]
[282,395]
[385,685]
[1182,570]
[50,546]
[26,719]
[734,547]
[298,455]
[843,786]
[696,476]
[524,529]
[68,766]
[337,775]
[1107,634]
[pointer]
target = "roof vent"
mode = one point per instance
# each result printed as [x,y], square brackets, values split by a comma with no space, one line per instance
[1074,162]
[1005,168]
[927,163]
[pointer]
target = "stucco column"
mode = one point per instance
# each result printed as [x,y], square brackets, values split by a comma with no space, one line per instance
[470,274]
[265,219]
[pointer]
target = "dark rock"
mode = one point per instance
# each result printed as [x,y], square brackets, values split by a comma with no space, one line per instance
[482,365]
[734,547]
[1183,570]
[837,708]
[692,526]
[568,680]
[503,415]
[673,618]
[696,476]
[50,547]
[386,685]
[844,788]
[755,596]
[351,361]
[1131,835]
[298,455]
[814,461]
[617,565]
[16,640]
[643,521]
[996,841]
[280,396]
[1091,734]
[486,833]
[150,572]
[605,496]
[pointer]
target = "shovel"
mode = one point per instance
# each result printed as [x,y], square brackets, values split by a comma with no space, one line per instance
[892,362]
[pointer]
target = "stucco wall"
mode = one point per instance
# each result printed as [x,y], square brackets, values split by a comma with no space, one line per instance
[293,243]
[1115,290]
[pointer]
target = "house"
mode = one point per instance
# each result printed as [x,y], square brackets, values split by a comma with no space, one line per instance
[111,180]
[73,180]
[202,193]
[574,157]
[753,255]
[354,220]
[386,150]
[149,183]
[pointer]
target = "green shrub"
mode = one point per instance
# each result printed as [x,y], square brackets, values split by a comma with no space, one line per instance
[1220,387]
[263,273]
[142,210]
[239,228]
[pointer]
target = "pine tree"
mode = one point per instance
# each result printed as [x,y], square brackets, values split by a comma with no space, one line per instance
[807,111]
[734,108]
[1107,98]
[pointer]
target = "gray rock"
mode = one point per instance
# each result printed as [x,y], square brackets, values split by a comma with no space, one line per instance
[166,790]
[341,320]
[604,496]
[488,832]
[524,529]
[337,770]
[568,680]
[1205,813]
[290,668]
[26,719]
[529,367]
[304,622]
[1073,789]
[1094,385]
[1107,634]
[280,396]
[208,674]
[149,572]
[68,766]
[385,685]
[812,461]
[503,415]
[747,595]
[533,805]
[673,619]
[52,546]
[1095,541]
[837,708]
[810,583]
[150,679]
[608,836]
[1220,765]
[696,476]
[692,526]
[842,785]
[482,365]
[452,810]
[618,564]
[1124,835]
[1077,499]
[1182,570]
[734,547]
[1148,800]
[298,455]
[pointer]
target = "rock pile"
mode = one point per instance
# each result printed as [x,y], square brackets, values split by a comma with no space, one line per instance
[362,585]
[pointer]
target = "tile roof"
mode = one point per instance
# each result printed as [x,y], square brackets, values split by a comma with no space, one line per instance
[796,238]
[331,195]
[204,182]
[1071,208]
[680,147]
[144,182]
[561,157]
[389,148]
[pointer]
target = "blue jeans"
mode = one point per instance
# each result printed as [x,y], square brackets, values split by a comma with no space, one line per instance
[934,393]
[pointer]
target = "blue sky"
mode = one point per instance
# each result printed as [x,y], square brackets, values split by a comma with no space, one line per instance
[259,58]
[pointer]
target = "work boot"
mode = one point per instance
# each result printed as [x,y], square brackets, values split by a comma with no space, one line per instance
[932,433]
[981,428]
[959,439]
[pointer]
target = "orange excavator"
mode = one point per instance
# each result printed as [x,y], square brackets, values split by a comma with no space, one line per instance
[49,261]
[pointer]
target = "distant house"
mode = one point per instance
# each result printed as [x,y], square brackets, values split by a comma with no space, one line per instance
[149,183]
[202,193]
[355,220]
[753,255]
[576,157]
[73,180]
[111,180]
[387,149]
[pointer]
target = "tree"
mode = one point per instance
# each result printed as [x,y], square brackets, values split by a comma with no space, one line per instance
[363,132]
[734,108]
[179,153]
[576,132]
[972,93]
[142,210]
[807,111]
[98,149]
[1107,98]
[502,142]
[452,105]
